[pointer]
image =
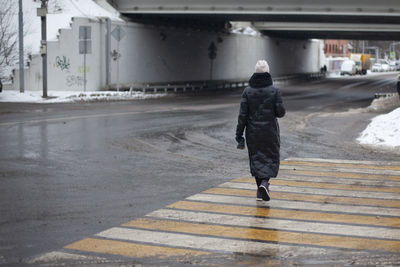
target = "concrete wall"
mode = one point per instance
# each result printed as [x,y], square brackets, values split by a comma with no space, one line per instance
[157,54]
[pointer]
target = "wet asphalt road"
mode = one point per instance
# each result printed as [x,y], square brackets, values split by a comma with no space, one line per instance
[71,170]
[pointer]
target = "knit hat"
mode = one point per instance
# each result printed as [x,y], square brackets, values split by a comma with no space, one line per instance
[262,66]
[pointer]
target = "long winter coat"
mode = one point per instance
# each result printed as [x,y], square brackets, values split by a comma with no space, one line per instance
[261,104]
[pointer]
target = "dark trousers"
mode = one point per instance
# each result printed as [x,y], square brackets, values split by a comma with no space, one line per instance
[258,180]
[398,87]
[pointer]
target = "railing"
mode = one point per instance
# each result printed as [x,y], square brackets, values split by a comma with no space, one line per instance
[192,86]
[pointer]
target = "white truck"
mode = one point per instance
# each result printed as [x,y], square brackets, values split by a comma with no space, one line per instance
[348,68]
[362,61]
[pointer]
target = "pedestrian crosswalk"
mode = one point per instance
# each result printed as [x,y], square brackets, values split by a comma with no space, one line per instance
[318,207]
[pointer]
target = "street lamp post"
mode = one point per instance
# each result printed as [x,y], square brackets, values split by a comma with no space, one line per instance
[42,12]
[21,48]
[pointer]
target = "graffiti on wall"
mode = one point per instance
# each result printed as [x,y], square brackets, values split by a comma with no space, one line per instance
[81,69]
[62,63]
[74,80]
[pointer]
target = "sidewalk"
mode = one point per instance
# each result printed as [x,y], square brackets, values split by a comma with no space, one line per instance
[321,212]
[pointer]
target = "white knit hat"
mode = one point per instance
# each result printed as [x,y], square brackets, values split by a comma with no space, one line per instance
[262,66]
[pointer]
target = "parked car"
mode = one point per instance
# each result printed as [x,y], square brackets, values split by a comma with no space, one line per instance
[385,67]
[377,67]
[348,67]
[394,65]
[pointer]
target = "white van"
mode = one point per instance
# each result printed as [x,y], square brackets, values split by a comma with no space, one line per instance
[348,67]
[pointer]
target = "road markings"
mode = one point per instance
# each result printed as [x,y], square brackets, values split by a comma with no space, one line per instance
[264,234]
[287,214]
[322,210]
[279,224]
[308,197]
[318,191]
[129,249]
[297,205]
[308,172]
[352,164]
[337,180]
[204,242]
[327,185]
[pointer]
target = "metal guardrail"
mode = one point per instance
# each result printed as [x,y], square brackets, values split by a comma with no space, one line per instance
[192,86]
[380,95]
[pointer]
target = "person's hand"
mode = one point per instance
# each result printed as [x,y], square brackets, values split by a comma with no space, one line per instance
[240,141]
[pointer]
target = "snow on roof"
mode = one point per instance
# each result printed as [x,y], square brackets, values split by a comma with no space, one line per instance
[60,14]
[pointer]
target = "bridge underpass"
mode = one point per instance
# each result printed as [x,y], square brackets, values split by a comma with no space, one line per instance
[181,33]
[353,19]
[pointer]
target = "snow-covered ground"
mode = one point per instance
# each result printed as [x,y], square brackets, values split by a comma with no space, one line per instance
[69,97]
[369,73]
[384,130]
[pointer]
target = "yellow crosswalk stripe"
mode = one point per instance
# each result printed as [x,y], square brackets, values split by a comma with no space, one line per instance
[341,165]
[325,185]
[130,249]
[267,235]
[287,214]
[308,214]
[342,174]
[308,197]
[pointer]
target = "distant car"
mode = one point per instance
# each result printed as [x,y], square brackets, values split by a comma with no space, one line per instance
[385,67]
[348,68]
[377,67]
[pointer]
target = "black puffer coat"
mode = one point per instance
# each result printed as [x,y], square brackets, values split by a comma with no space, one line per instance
[260,106]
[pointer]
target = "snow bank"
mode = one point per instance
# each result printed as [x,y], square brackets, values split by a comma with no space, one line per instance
[383,130]
[70,97]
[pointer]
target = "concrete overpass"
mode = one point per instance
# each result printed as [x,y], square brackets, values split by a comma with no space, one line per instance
[345,19]
[159,54]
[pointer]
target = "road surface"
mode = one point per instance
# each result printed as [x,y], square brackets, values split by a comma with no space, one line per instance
[72,171]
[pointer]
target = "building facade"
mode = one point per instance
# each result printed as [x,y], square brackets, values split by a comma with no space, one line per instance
[336,48]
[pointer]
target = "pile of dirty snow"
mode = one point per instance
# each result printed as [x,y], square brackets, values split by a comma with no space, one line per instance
[70,97]
[383,130]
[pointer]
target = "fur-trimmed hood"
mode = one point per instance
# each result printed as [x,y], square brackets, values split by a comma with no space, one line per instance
[259,80]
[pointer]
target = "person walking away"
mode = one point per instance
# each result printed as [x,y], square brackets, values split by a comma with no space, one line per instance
[398,85]
[260,106]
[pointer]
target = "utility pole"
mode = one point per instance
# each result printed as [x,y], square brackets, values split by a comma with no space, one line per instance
[363,47]
[376,51]
[42,12]
[21,48]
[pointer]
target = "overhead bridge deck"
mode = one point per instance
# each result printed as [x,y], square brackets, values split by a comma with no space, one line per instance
[356,19]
